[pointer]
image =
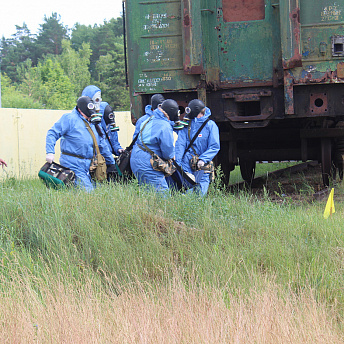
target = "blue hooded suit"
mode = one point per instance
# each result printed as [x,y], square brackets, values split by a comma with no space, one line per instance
[112,135]
[148,113]
[158,136]
[206,145]
[90,91]
[76,139]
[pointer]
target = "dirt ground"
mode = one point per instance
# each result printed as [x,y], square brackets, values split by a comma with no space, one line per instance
[289,185]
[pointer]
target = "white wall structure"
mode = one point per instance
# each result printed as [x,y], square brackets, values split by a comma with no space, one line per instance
[23,133]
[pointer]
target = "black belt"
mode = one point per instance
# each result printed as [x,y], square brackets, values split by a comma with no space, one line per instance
[76,156]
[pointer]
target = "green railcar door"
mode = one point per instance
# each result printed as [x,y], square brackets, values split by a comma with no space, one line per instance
[244,40]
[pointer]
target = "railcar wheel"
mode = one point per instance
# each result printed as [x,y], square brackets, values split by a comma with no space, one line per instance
[326,161]
[247,169]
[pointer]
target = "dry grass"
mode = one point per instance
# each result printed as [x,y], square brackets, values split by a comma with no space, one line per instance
[169,315]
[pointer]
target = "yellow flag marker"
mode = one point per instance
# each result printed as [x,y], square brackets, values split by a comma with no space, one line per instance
[329,209]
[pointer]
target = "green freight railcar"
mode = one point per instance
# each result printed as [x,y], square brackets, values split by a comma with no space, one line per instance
[271,71]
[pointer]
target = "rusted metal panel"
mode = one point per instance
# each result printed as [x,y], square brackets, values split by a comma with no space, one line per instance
[318,103]
[208,46]
[202,95]
[238,10]
[288,93]
[209,19]
[192,37]
[317,25]
[290,33]
[247,97]
[291,48]
[340,70]
[248,106]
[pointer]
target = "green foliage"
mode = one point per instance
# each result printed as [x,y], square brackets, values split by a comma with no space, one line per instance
[16,50]
[111,79]
[13,98]
[50,36]
[75,64]
[92,55]
[56,90]
[48,84]
[101,38]
[107,60]
[31,80]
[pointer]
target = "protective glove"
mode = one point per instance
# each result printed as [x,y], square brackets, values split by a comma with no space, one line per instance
[49,157]
[121,150]
[200,164]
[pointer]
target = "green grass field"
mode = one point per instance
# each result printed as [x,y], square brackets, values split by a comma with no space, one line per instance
[121,238]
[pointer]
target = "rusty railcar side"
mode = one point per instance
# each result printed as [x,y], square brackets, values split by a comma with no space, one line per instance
[271,71]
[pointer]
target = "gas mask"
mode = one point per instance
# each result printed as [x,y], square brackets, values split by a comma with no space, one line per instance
[178,124]
[193,109]
[87,107]
[156,100]
[183,121]
[171,107]
[109,118]
[187,115]
[97,100]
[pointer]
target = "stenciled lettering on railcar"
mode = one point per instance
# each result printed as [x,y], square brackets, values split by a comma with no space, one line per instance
[331,13]
[162,51]
[150,84]
[166,43]
[156,21]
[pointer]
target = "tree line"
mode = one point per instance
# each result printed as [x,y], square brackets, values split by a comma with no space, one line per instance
[51,68]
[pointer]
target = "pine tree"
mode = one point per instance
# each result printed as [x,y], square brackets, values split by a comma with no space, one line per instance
[50,36]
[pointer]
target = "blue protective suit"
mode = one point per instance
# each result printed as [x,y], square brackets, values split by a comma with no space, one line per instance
[158,136]
[207,145]
[148,113]
[112,135]
[76,139]
[90,91]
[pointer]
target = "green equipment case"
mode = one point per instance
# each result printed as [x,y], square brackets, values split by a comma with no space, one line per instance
[56,176]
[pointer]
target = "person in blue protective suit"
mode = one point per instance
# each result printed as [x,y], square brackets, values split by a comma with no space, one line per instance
[197,158]
[155,133]
[110,129]
[77,148]
[155,101]
[94,93]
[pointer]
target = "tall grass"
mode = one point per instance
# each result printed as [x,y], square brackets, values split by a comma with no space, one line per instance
[235,253]
[74,312]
